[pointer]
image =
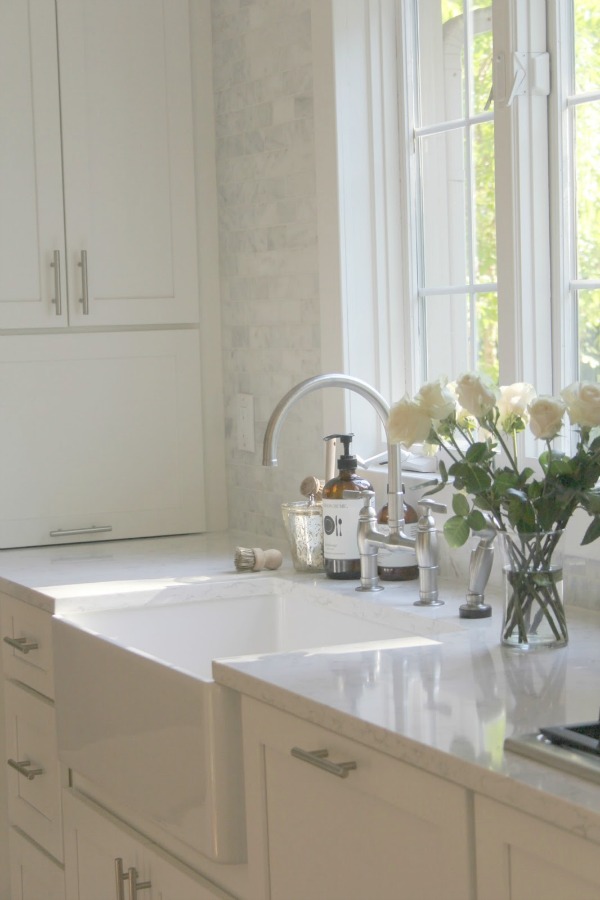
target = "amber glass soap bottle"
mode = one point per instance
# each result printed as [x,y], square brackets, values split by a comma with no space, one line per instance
[340,515]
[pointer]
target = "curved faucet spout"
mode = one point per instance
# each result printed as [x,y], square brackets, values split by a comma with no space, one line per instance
[395,517]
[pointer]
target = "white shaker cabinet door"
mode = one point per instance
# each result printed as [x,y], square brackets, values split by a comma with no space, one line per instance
[106,437]
[33,874]
[125,78]
[31,197]
[387,831]
[520,857]
[102,855]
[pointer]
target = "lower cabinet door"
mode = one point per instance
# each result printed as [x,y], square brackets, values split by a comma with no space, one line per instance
[33,874]
[107,860]
[35,776]
[520,857]
[387,830]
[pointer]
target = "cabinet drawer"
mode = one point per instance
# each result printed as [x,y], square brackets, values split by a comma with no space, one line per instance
[332,818]
[34,775]
[33,874]
[27,644]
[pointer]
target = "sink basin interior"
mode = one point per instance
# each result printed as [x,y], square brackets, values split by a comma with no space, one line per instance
[189,633]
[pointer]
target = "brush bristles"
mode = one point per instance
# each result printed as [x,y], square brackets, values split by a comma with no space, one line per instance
[244,558]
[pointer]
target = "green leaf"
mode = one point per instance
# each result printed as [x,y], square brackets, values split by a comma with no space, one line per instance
[593,531]
[456,531]
[460,505]
[476,521]
[478,452]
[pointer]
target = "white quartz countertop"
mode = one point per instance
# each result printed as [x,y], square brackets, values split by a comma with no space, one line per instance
[444,703]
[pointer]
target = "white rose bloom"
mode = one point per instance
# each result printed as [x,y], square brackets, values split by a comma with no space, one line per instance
[514,400]
[583,403]
[475,395]
[546,417]
[408,424]
[436,400]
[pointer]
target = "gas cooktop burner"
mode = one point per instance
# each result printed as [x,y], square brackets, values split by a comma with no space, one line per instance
[572,748]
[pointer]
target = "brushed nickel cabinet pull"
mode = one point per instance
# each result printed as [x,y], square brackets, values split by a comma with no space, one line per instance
[55,264]
[319,758]
[22,768]
[120,877]
[134,885]
[22,644]
[93,529]
[84,299]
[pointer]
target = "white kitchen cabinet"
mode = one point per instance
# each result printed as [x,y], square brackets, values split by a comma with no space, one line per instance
[100,852]
[520,857]
[103,436]
[30,765]
[387,830]
[98,228]
[33,874]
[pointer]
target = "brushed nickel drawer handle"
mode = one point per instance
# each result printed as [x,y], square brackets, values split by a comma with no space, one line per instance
[55,264]
[84,299]
[134,885]
[120,876]
[22,768]
[23,644]
[67,532]
[318,758]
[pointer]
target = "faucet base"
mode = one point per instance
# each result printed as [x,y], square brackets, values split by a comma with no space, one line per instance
[369,589]
[476,610]
[428,603]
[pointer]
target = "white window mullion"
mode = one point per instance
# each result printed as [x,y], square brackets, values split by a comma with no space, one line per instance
[522,210]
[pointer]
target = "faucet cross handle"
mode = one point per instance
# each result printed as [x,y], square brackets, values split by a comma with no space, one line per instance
[428,505]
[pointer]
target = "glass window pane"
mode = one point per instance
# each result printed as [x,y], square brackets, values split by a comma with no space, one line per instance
[443,68]
[485,204]
[587,45]
[587,156]
[447,336]
[461,334]
[486,335]
[589,335]
[481,58]
[444,209]
[441,60]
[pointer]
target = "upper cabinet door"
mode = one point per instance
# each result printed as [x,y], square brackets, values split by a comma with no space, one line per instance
[32,230]
[125,84]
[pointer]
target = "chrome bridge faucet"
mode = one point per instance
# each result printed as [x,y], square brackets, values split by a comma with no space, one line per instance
[369,536]
[425,545]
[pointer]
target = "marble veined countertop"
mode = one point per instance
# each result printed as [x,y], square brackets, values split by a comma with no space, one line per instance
[442,699]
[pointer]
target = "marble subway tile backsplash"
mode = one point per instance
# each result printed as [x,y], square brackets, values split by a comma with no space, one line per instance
[263,82]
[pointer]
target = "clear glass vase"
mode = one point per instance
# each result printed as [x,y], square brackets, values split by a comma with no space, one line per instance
[534,614]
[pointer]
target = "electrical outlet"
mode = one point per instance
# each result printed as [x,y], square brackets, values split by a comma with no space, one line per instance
[245,422]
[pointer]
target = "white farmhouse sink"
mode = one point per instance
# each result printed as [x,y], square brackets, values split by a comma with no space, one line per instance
[139,714]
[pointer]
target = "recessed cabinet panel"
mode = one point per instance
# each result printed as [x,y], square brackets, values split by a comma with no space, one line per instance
[373,833]
[97,846]
[128,161]
[34,775]
[27,644]
[106,437]
[33,875]
[520,857]
[31,198]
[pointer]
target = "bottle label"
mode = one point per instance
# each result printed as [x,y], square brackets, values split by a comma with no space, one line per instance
[399,559]
[340,528]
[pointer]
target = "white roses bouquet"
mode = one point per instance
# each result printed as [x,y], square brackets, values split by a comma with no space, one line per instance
[472,421]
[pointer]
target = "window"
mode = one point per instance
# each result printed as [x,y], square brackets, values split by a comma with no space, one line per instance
[504,187]
[459,225]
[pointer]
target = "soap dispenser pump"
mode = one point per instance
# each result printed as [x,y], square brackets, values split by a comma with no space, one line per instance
[342,503]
